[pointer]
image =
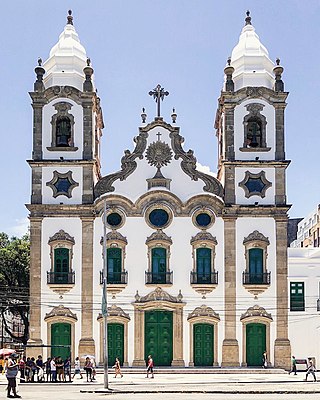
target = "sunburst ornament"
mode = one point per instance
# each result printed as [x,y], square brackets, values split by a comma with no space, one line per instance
[158,154]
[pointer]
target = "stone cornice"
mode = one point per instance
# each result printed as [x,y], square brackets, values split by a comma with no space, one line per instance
[61,236]
[55,92]
[269,95]
[58,162]
[58,210]
[259,163]
[235,211]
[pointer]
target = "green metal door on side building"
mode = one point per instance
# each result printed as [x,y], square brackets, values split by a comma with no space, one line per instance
[203,344]
[158,336]
[255,344]
[115,343]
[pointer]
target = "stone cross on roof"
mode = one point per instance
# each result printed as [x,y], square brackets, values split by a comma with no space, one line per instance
[158,94]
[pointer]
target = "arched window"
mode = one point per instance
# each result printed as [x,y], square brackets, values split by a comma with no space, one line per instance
[159,264]
[255,128]
[256,265]
[254,133]
[63,132]
[114,264]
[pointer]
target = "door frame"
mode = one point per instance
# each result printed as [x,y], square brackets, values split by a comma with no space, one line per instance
[255,320]
[57,320]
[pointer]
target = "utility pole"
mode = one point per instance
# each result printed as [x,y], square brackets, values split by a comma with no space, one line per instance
[104,297]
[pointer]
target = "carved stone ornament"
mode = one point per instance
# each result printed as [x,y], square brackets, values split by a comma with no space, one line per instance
[114,235]
[159,235]
[188,163]
[256,236]
[62,184]
[158,154]
[256,311]
[204,237]
[61,236]
[115,311]
[61,311]
[255,184]
[203,311]
[158,295]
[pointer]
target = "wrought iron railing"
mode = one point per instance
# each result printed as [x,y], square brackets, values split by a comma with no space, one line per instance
[256,279]
[115,278]
[204,278]
[60,277]
[161,278]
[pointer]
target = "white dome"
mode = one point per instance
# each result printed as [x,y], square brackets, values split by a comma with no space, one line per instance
[66,61]
[251,61]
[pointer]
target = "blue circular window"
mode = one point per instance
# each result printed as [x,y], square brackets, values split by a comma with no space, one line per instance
[203,219]
[114,219]
[159,217]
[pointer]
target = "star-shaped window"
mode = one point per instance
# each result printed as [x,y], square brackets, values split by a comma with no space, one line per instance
[62,184]
[255,184]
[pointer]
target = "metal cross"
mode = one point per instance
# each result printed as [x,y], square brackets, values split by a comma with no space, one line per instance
[158,134]
[158,94]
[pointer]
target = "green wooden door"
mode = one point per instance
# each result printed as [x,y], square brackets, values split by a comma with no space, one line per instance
[256,344]
[61,335]
[115,343]
[203,344]
[158,336]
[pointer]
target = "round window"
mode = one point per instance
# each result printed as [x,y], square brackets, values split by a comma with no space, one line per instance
[114,219]
[203,219]
[158,217]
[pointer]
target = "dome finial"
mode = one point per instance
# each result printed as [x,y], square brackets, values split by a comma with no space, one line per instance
[70,18]
[248,18]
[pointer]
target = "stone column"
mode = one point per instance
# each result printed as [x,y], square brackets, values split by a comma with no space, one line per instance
[280,187]
[138,338]
[230,347]
[88,135]
[35,284]
[229,131]
[37,127]
[282,347]
[178,338]
[86,344]
[279,110]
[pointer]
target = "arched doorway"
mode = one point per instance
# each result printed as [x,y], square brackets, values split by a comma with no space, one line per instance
[159,336]
[203,337]
[255,343]
[61,336]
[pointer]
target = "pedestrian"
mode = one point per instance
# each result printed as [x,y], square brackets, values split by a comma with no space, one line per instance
[28,369]
[11,374]
[311,370]
[59,368]
[94,372]
[117,368]
[293,365]
[150,367]
[265,359]
[88,368]
[22,369]
[77,368]
[47,366]
[53,369]
[39,365]
[33,368]
[1,365]
[67,369]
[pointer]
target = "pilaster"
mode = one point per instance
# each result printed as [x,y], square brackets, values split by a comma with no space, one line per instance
[280,186]
[87,105]
[229,131]
[138,339]
[37,129]
[282,347]
[279,116]
[86,343]
[35,282]
[230,347]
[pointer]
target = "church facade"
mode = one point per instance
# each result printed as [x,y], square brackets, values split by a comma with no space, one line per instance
[196,264]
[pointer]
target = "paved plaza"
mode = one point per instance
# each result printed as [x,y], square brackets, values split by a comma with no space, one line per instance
[240,386]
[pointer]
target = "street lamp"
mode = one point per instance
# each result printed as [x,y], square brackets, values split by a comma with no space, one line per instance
[104,297]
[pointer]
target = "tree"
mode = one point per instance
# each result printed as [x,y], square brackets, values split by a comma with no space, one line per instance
[14,283]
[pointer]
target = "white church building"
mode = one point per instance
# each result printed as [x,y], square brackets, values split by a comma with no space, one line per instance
[197,265]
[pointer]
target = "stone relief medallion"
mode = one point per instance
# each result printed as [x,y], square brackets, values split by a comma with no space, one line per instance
[158,154]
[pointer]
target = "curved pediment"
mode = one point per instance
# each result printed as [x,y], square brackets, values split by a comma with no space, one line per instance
[61,311]
[256,311]
[203,311]
[158,295]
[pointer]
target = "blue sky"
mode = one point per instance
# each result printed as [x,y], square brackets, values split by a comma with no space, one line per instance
[181,44]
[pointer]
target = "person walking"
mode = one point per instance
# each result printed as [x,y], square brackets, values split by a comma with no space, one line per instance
[11,374]
[77,368]
[22,368]
[150,367]
[311,370]
[88,368]
[265,359]
[293,365]
[117,368]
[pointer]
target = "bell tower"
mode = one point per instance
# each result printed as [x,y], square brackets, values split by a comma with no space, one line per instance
[65,165]
[252,169]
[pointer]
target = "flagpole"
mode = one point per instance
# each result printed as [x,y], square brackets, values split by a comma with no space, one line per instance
[104,297]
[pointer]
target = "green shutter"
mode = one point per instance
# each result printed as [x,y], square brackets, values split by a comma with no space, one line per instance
[61,265]
[159,264]
[203,257]
[114,262]
[297,296]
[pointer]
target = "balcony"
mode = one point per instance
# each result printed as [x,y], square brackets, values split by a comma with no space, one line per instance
[256,283]
[256,279]
[203,279]
[164,278]
[57,278]
[115,278]
[203,283]
[61,282]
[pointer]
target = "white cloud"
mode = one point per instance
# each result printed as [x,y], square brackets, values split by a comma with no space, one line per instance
[205,169]
[20,228]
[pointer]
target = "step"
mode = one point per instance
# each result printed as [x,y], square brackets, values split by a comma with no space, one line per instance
[193,370]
